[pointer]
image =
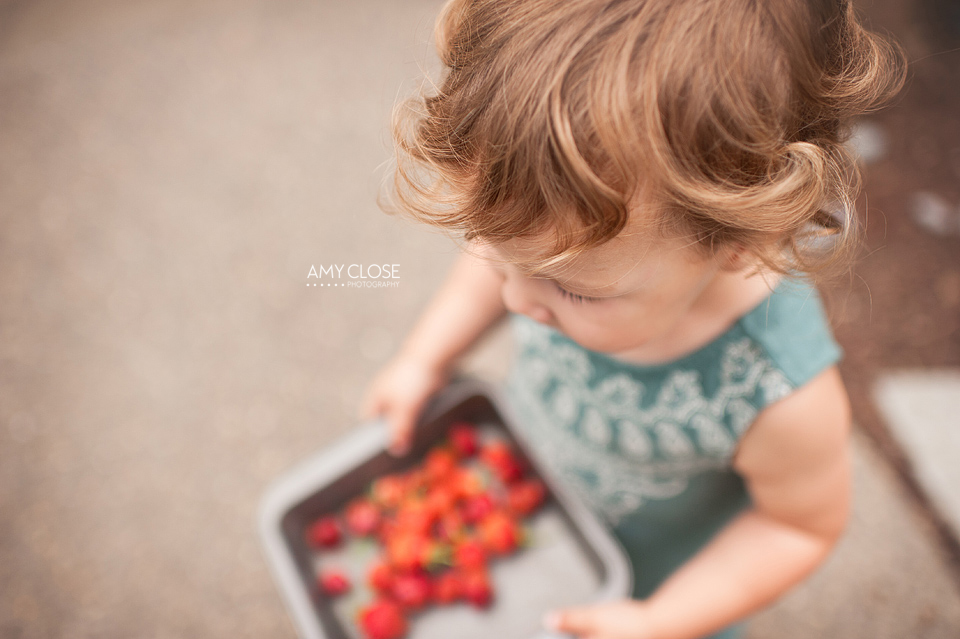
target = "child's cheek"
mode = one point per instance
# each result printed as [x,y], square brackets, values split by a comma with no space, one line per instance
[604,327]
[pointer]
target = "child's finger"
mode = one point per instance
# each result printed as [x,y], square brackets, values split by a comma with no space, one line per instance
[401,431]
[578,621]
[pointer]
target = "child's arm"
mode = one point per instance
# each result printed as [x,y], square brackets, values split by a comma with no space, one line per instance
[465,306]
[795,459]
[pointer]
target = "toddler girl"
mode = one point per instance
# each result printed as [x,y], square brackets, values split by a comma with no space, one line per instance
[642,187]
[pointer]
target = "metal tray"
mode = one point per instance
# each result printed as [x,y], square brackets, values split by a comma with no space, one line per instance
[573,559]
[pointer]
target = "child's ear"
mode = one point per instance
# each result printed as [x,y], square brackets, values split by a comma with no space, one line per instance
[736,258]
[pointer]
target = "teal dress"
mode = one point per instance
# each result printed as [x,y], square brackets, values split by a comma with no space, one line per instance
[650,448]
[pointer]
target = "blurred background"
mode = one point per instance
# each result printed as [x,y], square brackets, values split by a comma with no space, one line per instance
[169,172]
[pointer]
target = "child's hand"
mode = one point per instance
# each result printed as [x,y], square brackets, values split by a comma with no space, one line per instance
[398,393]
[624,619]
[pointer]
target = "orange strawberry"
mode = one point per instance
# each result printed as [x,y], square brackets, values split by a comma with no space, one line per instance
[500,533]
[439,464]
[388,491]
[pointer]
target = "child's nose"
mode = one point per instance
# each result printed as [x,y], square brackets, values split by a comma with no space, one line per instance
[523,295]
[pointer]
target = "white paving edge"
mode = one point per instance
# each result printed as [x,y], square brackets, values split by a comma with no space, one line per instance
[922,410]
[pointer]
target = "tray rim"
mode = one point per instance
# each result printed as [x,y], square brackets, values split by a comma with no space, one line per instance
[370,438]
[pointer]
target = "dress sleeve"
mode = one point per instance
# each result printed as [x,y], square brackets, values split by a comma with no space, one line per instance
[793,329]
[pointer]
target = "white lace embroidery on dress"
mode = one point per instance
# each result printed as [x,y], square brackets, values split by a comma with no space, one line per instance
[617,453]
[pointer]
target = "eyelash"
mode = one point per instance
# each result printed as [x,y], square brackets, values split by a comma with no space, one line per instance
[574,297]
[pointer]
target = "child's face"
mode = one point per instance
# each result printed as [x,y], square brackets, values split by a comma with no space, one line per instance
[619,296]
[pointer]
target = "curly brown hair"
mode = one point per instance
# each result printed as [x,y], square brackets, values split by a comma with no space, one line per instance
[733,114]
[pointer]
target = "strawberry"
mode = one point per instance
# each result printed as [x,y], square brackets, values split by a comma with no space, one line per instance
[463,438]
[469,553]
[441,499]
[333,582]
[412,590]
[500,533]
[447,588]
[388,491]
[499,457]
[380,577]
[525,497]
[388,530]
[363,518]
[439,464]
[476,508]
[383,619]
[476,588]
[465,483]
[450,526]
[324,533]
[410,552]
[415,481]
[416,516]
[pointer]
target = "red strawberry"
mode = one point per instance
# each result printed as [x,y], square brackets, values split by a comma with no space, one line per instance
[470,553]
[411,590]
[476,588]
[388,530]
[447,588]
[500,458]
[363,518]
[439,464]
[500,533]
[324,533]
[476,508]
[380,577]
[463,437]
[525,497]
[334,582]
[383,619]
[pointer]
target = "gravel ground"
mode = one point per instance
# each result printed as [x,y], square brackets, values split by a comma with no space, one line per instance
[900,306]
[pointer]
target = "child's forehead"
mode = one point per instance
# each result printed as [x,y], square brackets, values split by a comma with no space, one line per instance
[595,269]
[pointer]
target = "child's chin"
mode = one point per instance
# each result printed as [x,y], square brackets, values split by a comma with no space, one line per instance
[592,344]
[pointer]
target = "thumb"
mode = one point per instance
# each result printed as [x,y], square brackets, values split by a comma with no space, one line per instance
[370,407]
[578,621]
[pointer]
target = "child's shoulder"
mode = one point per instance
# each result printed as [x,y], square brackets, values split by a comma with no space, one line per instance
[791,327]
[806,430]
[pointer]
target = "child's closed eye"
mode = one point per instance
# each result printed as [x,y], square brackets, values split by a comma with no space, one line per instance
[574,297]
